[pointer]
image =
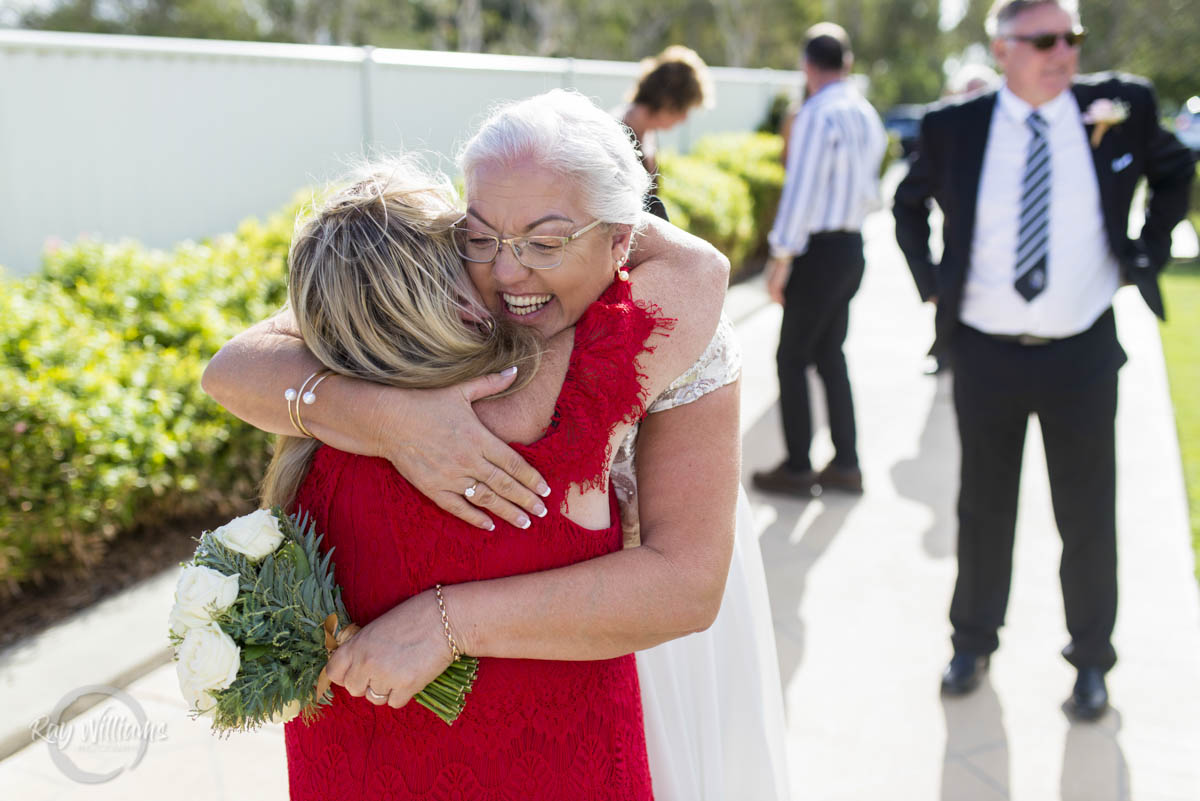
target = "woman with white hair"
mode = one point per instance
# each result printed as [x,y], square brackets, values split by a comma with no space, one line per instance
[554,194]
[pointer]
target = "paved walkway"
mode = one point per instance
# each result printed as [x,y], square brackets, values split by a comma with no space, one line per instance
[859,592]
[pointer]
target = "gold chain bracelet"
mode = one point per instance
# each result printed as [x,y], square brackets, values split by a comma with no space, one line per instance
[454,652]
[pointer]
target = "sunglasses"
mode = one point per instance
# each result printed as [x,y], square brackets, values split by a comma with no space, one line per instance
[1047,41]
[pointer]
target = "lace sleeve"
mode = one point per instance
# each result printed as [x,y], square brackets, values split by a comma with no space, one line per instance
[720,364]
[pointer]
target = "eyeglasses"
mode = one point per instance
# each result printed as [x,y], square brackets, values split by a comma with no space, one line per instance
[535,252]
[1047,41]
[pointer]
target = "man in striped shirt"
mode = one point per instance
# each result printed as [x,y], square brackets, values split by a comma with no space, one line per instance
[835,149]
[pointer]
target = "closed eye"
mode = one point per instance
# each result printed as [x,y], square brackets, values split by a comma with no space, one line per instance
[545,245]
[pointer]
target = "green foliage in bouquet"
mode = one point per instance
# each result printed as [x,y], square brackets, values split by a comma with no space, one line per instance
[285,621]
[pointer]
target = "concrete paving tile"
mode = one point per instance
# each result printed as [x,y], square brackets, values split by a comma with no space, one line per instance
[961,781]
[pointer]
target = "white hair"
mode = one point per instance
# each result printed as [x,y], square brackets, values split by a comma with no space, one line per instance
[1004,11]
[568,134]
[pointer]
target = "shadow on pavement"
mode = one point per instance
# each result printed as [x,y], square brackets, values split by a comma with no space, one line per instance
[976,762]
[1094,766]
[975,767]
[796,538]
[929,478]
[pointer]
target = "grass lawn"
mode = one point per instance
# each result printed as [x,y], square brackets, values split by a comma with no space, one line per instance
[1181,346]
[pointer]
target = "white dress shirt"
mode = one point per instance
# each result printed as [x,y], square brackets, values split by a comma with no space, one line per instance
[1081,272]
[834,152]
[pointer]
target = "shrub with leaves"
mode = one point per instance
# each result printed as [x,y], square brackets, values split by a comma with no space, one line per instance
[755,158]
[709,203]
[103,425]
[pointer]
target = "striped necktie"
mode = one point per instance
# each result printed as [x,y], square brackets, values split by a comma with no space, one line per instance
[1033,237]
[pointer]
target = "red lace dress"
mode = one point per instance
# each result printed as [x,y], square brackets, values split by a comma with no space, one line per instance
[531,729]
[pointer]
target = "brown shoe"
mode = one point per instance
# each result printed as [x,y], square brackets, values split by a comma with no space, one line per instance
[844,479]
[785,481]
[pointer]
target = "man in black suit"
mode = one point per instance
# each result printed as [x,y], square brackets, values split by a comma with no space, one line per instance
[1035,181]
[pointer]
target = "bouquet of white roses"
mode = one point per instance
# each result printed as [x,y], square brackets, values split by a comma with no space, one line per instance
[257,614]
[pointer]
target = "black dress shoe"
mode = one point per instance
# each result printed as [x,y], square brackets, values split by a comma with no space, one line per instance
[964,673]
[785,481]
[1089,699]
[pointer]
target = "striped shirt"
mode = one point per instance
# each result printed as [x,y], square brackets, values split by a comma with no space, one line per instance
[834,154]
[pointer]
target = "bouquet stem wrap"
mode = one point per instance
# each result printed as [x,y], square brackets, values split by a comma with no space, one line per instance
[332,641]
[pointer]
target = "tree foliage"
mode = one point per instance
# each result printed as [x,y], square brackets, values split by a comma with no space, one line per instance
[899,44]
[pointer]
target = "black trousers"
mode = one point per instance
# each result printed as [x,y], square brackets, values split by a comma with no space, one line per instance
[816,316]
[1071,385]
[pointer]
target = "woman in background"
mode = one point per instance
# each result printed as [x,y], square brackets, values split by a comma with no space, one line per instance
[671,84]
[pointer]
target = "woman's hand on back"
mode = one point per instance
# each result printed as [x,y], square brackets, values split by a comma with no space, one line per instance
[435,440]
[431,436]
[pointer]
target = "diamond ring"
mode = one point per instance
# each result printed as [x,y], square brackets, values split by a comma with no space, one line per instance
[375,696]
[470,491]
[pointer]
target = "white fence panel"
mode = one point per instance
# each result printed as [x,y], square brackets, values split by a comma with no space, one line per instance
[168,139]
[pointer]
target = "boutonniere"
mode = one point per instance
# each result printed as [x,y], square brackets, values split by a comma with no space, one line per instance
[1104,114]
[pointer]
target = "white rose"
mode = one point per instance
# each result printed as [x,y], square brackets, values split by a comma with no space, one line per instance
[287,713]
[255,535]
[209,660]
[200,593]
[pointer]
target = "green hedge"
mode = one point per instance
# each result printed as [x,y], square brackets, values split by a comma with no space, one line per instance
[756,159]
[710,203]
[103,425]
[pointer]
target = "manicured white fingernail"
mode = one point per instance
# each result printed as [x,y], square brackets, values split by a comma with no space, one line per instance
[490,526]
[543,489]
[507,371]
[522,522]
[539,510]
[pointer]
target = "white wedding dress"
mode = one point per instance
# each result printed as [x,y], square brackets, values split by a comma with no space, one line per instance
[713,701]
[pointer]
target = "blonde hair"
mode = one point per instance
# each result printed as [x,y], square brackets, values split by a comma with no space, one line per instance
[379,293]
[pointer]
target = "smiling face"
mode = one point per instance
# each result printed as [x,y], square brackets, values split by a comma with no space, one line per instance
[1037,76]
[525,199]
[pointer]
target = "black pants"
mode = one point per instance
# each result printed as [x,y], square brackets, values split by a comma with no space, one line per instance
[1071,385]
[816,315]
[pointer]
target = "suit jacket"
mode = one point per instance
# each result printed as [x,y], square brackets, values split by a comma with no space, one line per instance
[949,162]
